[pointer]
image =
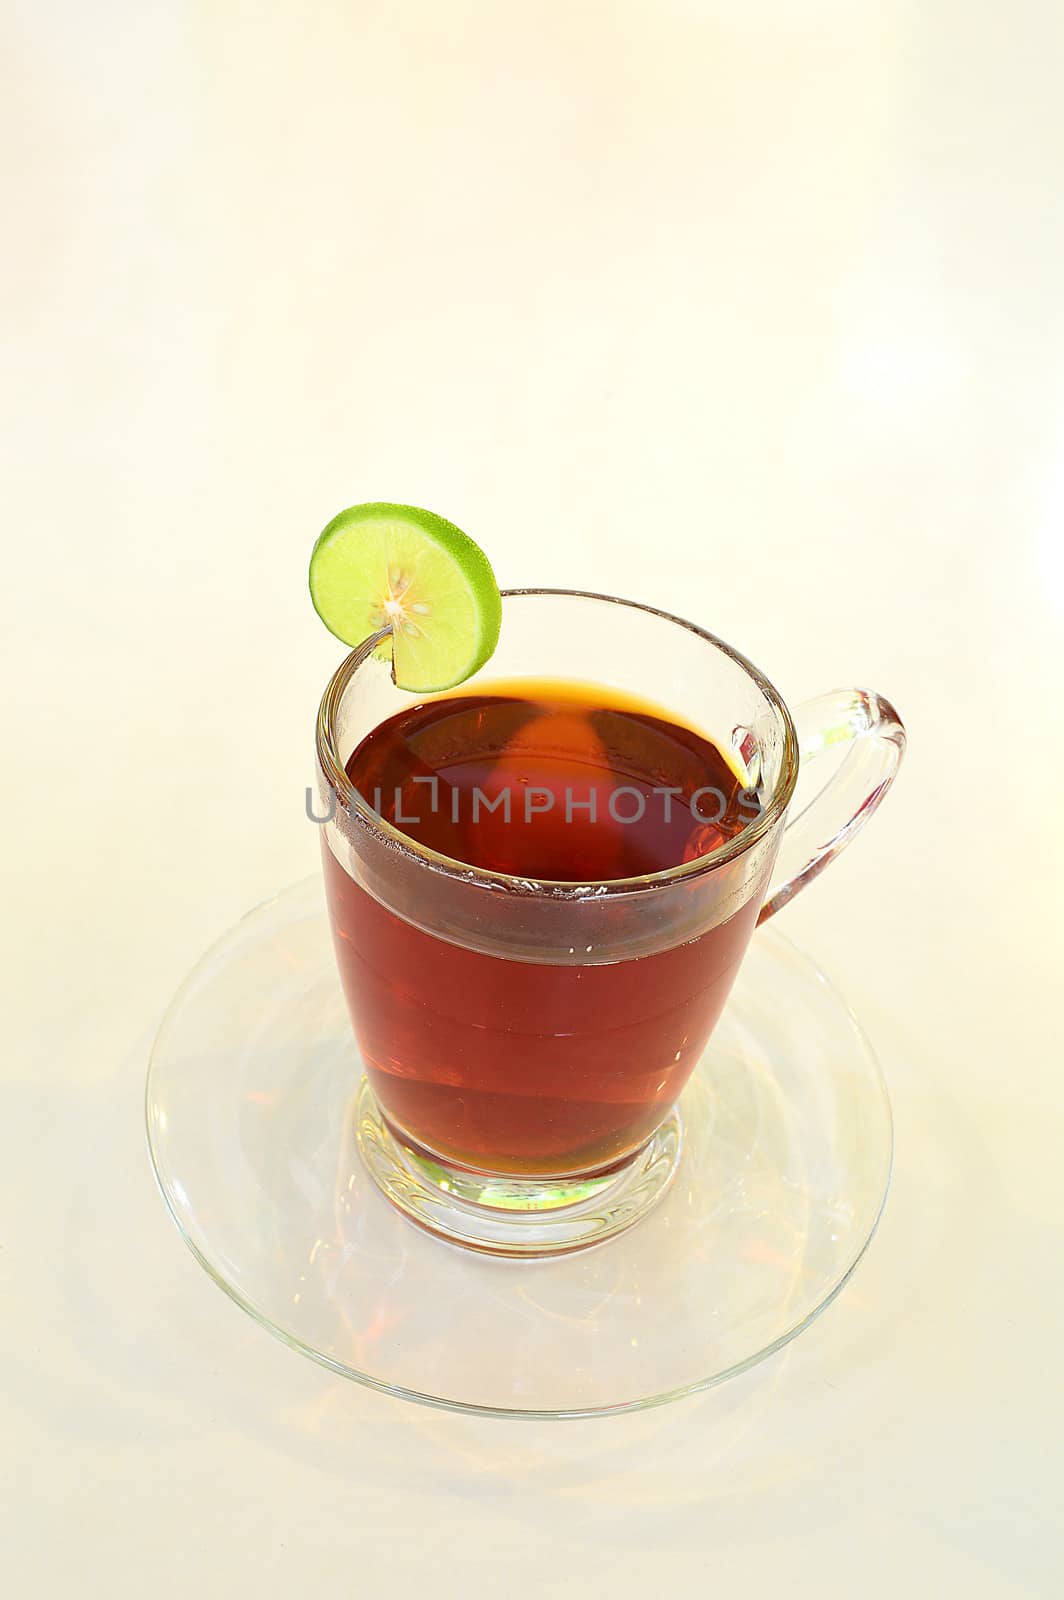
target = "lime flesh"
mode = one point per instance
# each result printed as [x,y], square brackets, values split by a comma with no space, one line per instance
[384,565]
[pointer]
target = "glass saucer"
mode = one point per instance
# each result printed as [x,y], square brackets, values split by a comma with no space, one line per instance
[252,1103]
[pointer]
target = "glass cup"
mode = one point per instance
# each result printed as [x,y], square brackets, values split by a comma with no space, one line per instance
[525,1043]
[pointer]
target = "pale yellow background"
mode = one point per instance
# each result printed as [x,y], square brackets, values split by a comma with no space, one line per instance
[752,311]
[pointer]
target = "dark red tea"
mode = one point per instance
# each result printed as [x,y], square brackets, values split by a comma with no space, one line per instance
[522,1066]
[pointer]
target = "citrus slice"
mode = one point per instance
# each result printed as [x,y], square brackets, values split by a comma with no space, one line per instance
[384,565]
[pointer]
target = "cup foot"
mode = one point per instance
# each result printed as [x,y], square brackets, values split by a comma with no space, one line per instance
[514,1216]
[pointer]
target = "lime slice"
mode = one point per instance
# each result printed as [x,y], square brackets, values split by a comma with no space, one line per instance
[379,565]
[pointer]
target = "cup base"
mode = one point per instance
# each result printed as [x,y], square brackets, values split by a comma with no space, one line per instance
[514,1216]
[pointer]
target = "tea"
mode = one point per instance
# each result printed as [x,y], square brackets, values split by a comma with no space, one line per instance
[537,1068]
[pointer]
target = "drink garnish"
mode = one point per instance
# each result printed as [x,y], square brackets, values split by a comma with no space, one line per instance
[383,565]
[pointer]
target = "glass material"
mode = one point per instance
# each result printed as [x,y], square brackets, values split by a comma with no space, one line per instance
[431,949]
[252,1104]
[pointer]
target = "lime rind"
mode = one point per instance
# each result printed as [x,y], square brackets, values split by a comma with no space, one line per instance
[385,564]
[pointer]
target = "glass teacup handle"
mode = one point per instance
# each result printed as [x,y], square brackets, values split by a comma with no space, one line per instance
[823,823]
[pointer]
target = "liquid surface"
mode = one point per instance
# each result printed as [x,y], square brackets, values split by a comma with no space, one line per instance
[546,782]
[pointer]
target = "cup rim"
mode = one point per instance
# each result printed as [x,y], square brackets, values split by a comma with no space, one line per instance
[364,816]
